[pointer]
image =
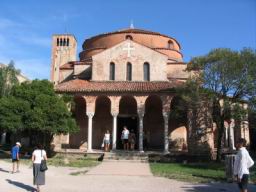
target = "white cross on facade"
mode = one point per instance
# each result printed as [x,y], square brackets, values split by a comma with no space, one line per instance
[129,49]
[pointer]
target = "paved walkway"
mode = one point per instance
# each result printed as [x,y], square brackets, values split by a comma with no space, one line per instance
[107,177]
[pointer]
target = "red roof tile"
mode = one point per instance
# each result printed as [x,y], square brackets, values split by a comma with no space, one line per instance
[78,85]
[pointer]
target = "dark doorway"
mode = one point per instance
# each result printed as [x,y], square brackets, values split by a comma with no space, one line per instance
[131,123]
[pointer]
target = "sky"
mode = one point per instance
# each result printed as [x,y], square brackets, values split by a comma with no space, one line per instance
[27,26]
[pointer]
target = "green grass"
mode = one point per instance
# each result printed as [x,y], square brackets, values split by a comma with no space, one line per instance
[61,161]
[197,172]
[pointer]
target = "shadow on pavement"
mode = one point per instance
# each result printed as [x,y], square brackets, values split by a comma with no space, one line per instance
[3,170]
[216,187]
[21,185]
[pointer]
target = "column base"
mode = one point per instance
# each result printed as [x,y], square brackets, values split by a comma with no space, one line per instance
[141,151]
[89,151]
[166,151]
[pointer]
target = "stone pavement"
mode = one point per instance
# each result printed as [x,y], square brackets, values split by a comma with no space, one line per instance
[107,177]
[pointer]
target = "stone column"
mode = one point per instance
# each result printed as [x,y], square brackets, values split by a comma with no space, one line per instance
[141,115]
[166,135]
[232,142]
[89,139]
[114,131]
[3,138]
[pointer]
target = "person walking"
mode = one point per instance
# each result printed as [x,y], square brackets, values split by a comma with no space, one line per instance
[16,157]
[242,163]
[132,139]
[125,138]
[38,155]
[106,141]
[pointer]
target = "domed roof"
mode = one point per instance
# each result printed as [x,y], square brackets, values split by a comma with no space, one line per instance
[157,41]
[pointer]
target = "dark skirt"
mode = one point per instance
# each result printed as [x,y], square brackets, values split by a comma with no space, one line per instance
[39,176]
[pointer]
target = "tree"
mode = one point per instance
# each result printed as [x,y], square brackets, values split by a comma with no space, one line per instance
[8,78]
[34,107]
[228,77]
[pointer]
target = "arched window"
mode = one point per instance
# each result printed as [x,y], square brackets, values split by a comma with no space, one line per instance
[146,71]
[64,42]
[129,71]
[68,42]
[128,37]
[170,45]
[112,71]
[58,43]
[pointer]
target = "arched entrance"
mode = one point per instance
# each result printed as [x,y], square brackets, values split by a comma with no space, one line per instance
[102,121]
[78,139]
[127,117]
[178,125]
[153,124]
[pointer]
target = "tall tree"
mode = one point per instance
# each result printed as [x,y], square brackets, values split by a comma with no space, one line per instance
[8,78]
[228,76]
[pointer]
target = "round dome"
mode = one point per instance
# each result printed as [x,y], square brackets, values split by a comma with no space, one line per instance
[156,41]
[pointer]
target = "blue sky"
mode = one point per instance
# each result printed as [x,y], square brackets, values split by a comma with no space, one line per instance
[26,26]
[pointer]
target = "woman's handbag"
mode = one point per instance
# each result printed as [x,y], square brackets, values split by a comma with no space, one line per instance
[43,165]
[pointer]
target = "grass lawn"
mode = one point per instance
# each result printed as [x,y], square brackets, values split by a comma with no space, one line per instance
[197,172]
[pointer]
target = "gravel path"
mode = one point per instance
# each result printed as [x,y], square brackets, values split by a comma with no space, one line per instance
[106,177]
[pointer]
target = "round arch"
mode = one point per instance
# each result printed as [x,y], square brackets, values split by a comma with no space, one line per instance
[153,124]
[78,140]
[102,120]
[178,131]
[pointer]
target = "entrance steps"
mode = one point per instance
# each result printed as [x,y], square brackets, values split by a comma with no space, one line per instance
[126,156]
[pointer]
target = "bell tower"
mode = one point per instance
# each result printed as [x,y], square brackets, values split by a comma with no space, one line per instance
[63,50]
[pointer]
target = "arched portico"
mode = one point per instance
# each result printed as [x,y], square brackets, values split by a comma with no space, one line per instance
[178,133]
[102,120]
[153,124]
[78,140]
[127,117]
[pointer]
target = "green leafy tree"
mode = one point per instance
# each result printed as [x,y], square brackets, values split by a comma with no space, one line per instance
[227,76]
[34,107]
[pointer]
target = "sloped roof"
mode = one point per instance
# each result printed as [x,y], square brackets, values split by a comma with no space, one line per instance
[79,85]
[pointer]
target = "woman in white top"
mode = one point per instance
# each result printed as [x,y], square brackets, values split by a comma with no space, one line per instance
[106,140]
[38,155]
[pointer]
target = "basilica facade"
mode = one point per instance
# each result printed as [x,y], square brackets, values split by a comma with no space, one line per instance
[124,78]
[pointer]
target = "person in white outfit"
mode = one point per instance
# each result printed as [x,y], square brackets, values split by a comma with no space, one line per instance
[243,162]
[106,141]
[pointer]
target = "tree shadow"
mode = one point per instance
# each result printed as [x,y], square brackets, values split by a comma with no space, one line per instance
[215,187]
[3,170]
[21,185]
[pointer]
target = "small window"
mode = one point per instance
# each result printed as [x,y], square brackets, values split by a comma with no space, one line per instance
[129,71]
[64,42]
[128,37]
[68,42]
[170,45]
[112,71]
[58,43]
[146,71]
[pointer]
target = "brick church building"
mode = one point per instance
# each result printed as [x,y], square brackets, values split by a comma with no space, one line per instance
[125,78]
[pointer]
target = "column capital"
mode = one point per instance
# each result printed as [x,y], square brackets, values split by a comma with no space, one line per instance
[90,114]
